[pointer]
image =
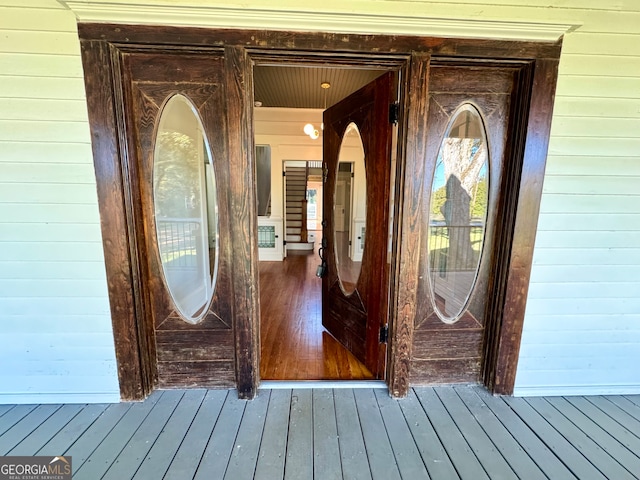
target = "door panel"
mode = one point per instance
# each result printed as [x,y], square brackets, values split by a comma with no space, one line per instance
[355,319]
[186,353]
[448,350]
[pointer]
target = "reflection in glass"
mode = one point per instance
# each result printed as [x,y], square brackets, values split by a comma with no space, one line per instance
[350,209]
[184,194]
[458,212]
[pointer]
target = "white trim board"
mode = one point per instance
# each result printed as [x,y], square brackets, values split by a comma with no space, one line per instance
[46,398]
[217,16]
[580,390]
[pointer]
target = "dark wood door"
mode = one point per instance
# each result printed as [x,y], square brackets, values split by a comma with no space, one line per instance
[457,256]
[354,306]
[194,347]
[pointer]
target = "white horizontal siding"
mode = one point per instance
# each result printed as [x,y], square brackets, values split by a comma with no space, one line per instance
[582,327]
[55,323]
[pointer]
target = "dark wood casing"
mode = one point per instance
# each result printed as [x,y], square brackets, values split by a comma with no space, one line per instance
[121,204]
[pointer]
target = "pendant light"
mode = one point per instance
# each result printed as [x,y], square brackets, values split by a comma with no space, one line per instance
[309,128]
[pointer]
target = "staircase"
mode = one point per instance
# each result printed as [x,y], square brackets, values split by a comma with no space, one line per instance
[295,209]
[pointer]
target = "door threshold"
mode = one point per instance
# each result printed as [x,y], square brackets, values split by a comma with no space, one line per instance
[290,384]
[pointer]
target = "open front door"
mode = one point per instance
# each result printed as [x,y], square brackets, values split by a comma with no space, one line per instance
[357,151]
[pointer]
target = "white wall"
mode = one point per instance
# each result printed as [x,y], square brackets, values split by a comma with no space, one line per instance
[55,327]
[582,327]
[281,128]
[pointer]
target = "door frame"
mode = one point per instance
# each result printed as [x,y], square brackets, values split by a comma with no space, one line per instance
[101,48]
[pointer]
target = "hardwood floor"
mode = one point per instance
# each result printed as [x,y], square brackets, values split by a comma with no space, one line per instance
[294,344]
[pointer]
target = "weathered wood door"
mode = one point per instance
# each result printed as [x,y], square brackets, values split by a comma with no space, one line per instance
[181,177]
[358,135]
[468,138]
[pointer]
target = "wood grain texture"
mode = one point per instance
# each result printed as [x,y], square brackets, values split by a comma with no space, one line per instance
[409,201]
[319,43]
[355,319]
[121,215]
[96,57]
[293,343]
[244,227]
[525,224]
[489,88]
[152,79]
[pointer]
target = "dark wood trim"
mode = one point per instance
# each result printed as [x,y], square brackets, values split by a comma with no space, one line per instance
[102,47]
[244,223]
[316,42]
[410,174]
[115,204]
[508,332]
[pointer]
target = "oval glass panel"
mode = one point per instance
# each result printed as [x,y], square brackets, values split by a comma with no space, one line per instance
[458,212]
[350,209]
[185,203]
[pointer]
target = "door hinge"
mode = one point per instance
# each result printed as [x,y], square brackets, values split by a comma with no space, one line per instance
[284,174]
[384,333]
[394,113]
[284,242]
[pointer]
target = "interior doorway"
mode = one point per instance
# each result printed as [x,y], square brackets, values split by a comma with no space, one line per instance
[294,343]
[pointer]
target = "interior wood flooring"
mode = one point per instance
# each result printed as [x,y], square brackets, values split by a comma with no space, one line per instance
[294,344]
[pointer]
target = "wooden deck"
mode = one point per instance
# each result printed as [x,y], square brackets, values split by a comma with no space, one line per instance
[438,433]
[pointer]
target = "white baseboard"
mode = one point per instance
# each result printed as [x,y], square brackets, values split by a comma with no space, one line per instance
[577,390]
[38,398]
[266,256]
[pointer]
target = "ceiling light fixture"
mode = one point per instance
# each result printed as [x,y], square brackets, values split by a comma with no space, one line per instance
[309,128]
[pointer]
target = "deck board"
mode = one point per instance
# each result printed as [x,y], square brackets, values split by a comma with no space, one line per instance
[61,441]
[223,437]
[353,453]
[443,433]
[492,461]
[5,408]
[156,463]
[464,460]
[273,450]
[13,416]
[245,452]
[615,449]
[187,458]
[569,454]
[531,443]
[299,460]
[404,447]
[46,430]
[608,424]
[137,448]
[433,454]
[376,439]
[615,412]
[625,404]
[23,428]
[520,462]
[101,459]
[326,447]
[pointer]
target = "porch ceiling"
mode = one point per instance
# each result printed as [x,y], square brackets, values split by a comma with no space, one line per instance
[299,87]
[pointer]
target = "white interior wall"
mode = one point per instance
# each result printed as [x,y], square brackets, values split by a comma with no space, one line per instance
[55,324]
[281,128]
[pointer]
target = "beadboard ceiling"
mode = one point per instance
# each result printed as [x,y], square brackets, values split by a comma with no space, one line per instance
[299,87]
